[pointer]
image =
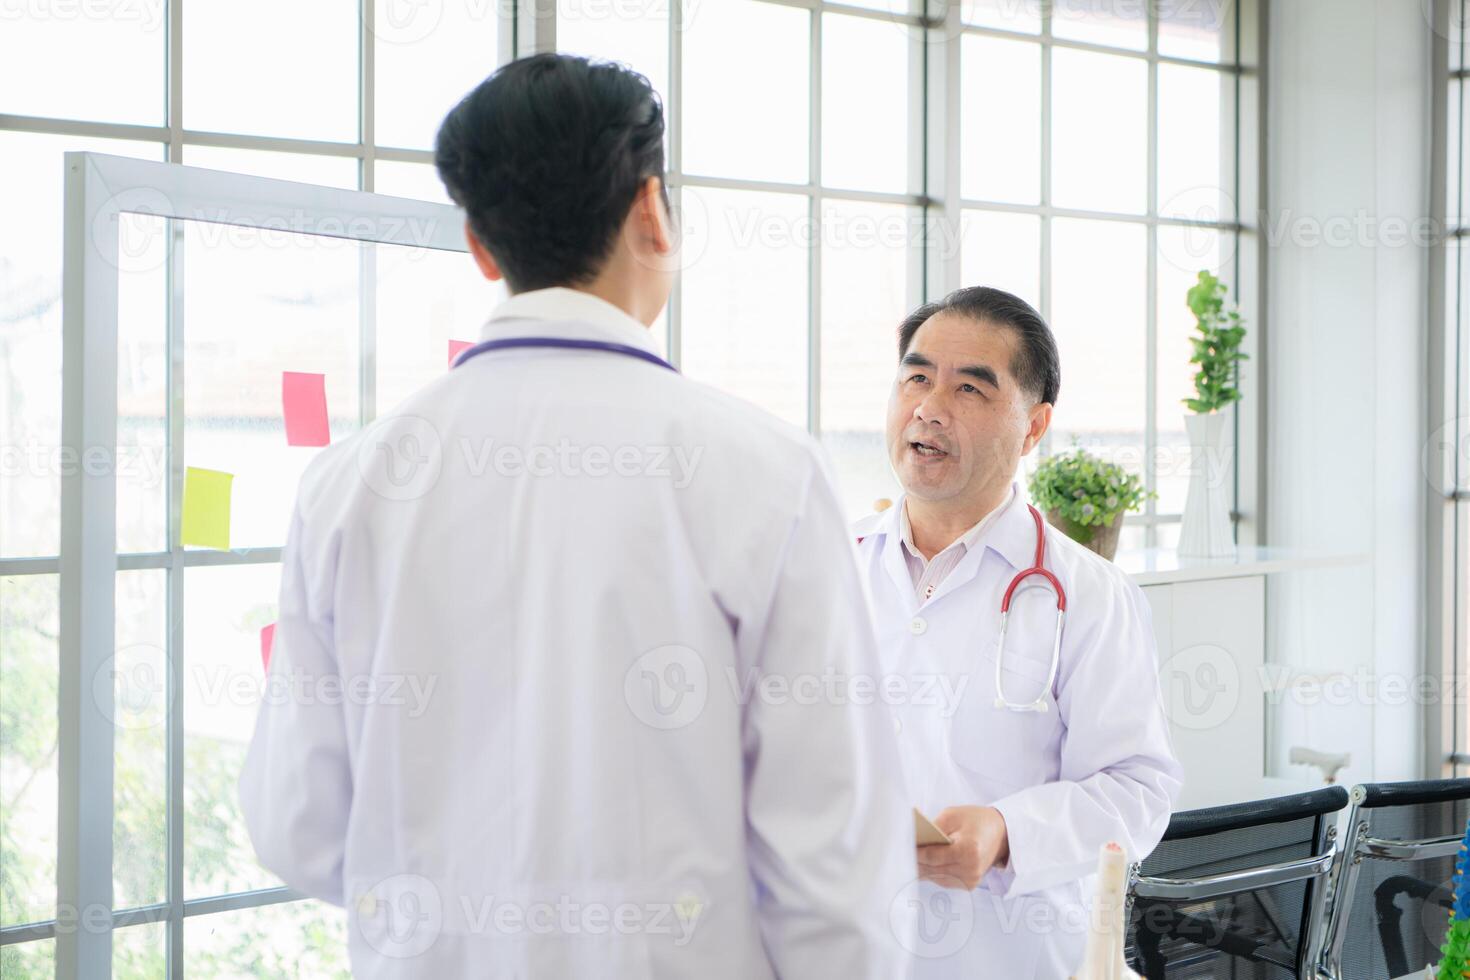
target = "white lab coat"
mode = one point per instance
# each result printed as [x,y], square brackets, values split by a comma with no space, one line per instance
[581,792]
[1097,766]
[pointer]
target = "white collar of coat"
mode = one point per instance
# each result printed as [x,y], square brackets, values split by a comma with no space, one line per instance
[567,307]
[1012,535]
[966,540]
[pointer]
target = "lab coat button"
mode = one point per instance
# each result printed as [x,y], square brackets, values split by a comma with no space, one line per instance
[367,905]
[897,725]
[918,626]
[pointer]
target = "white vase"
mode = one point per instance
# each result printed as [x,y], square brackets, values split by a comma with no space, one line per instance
[1207,532]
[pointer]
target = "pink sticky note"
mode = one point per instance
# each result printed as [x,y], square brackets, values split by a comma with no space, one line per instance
[305,399]
[455,346]
[267,640]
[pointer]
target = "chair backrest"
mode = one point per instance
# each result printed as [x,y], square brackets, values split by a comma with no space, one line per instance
[1392,894]
[1237,890]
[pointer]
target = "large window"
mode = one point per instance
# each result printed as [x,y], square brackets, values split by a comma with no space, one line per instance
[1098,156]
[1100,170]
[832,166]
[795,160]
[335,92]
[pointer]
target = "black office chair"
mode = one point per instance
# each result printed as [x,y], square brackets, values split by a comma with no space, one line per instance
[1236,891]
[1392,894]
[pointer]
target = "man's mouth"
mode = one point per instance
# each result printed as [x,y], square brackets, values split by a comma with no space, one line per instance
[925,449]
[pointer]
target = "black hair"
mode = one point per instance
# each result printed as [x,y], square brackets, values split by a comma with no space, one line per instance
[1037,365]
[546,156]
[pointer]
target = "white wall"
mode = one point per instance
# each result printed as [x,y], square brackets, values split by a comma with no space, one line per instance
[1347,153]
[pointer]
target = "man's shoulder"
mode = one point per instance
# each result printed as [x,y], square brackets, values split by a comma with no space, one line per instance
[867,525]
[1091,572]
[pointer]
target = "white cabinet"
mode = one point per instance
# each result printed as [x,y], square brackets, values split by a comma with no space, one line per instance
[1211,635]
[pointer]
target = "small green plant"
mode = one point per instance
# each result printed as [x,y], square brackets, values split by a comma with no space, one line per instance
[1085,490]
[1218,333]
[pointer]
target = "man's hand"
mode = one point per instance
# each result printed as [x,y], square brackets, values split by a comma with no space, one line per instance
[978,841]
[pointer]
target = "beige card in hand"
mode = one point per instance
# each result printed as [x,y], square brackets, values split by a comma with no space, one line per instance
[926,832]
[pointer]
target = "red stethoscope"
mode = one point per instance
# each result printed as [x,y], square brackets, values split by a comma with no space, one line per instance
[1038,568]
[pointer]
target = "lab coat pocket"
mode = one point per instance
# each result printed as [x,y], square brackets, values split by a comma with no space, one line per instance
[1005,748]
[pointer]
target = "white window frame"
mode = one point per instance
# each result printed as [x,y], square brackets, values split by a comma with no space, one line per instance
[99,188]
[1447,405]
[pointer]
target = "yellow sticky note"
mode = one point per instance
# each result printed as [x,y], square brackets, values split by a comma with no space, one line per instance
[207,508]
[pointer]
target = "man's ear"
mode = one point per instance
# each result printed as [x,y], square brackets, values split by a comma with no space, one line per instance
[1040,421]
[488,266]
[651,219]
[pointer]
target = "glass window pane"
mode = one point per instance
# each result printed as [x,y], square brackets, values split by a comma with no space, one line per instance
[296,939]
[139,952]
[29,961]
[1006,15]
[900,7]
[1196,144]
[1196,29]
[1182,253]
[758,129]
[867,254]
[140,747]
[308,88]
[30,334]
[865,103]
[257,303]
[1099,131]
[142,383]
[225,609]
[416,180]
[1098,296]
[29,666]
[428,56]
[633,32]
[426,298]
[1003,250]
[46,49]
[302,167]
[743,301]
[1000,107]
[1117,23]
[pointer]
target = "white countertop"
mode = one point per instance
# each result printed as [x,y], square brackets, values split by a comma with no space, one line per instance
[1160,566]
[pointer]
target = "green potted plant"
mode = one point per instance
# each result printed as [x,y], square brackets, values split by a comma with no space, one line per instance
[1219,332]
[1086,497]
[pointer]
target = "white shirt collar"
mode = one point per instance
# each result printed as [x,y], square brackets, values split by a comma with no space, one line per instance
[562,304]
[964,542]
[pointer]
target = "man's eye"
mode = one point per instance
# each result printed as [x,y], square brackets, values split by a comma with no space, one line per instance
[918,377]
[968,387]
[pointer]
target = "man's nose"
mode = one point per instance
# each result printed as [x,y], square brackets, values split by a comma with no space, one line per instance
[932,408]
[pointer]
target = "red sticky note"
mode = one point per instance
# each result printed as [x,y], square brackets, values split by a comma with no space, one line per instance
[267,640]
[305,399]
[455,346]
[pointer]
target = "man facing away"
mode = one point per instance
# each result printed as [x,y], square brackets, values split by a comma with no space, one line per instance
[596,779]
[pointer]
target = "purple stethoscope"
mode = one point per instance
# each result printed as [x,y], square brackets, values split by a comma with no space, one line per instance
[561,343]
